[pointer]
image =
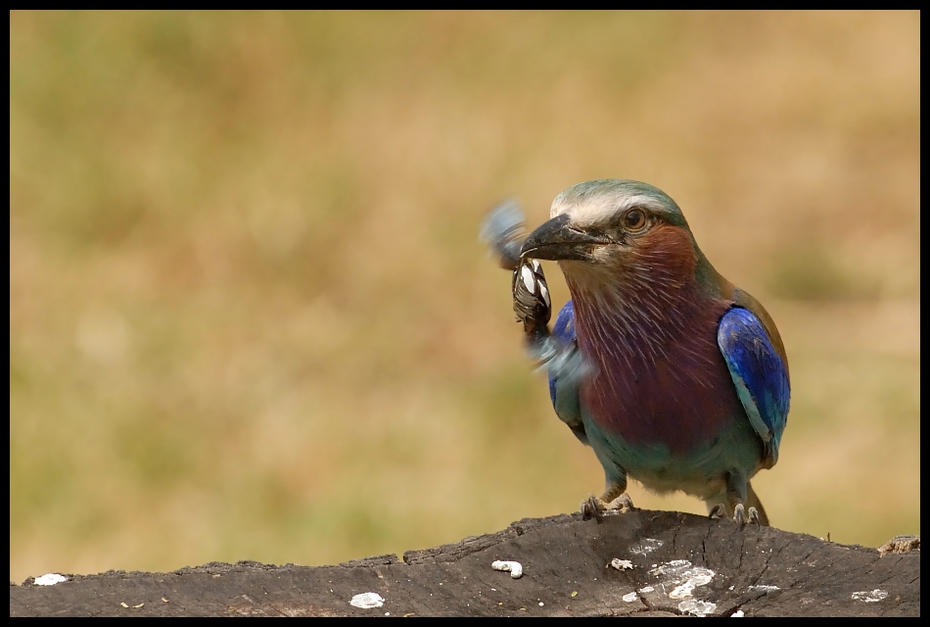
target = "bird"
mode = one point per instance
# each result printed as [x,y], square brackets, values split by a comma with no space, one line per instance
[674,376]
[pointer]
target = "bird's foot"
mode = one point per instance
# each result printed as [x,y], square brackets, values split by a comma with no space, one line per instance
[595,507]
[740,514]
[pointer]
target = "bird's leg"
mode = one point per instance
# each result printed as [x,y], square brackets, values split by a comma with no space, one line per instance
[532,307]
[614,499]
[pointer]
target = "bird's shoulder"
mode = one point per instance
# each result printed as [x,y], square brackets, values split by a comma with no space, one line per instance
[720,288]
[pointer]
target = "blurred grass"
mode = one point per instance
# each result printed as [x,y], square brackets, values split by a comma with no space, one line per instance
[249,317]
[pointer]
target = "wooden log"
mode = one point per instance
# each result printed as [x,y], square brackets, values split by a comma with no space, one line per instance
[642,562]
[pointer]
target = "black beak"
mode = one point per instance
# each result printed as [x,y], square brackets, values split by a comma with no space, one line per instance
[557,239]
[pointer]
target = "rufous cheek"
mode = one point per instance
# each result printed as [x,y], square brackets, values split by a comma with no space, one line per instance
[669,248]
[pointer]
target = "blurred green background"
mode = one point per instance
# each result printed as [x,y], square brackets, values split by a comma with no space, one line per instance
[250,317]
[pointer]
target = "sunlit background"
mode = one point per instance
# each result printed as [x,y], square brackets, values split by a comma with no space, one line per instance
[250,317]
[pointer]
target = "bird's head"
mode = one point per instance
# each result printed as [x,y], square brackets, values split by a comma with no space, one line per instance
[619,232]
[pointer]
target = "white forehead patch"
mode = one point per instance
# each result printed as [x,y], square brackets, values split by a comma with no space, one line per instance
[600,208]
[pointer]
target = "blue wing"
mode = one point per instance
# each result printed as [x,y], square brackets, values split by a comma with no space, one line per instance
[565,372]
[760,375]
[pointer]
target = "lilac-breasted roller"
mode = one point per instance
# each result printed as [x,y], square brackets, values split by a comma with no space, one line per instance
[674,376]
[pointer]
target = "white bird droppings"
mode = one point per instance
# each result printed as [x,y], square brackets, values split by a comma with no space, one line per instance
[367,600]
[873,596]
[647,546]
[630,597]
[737,614]
[682,577]
[698,608]
[514,568]
[50,579]
[683,591]
[764,588]
[620,564]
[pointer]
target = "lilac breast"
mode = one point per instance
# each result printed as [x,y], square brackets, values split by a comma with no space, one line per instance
[660,376]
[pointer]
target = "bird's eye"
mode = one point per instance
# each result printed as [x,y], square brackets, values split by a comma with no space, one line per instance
[634,220]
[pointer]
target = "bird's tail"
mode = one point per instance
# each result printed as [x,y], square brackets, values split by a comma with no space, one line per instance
[752,500]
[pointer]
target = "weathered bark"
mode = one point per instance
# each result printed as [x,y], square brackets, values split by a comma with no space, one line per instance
[673,564]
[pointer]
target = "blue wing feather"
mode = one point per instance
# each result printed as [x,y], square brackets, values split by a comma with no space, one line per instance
[759,374]
[566,371]
[564,332]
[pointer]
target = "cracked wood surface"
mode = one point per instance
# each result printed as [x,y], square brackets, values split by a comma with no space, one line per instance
[665,563]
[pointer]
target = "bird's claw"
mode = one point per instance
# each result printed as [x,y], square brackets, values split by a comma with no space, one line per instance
[595,507]
[592,507]
[741,515]
[531,303]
